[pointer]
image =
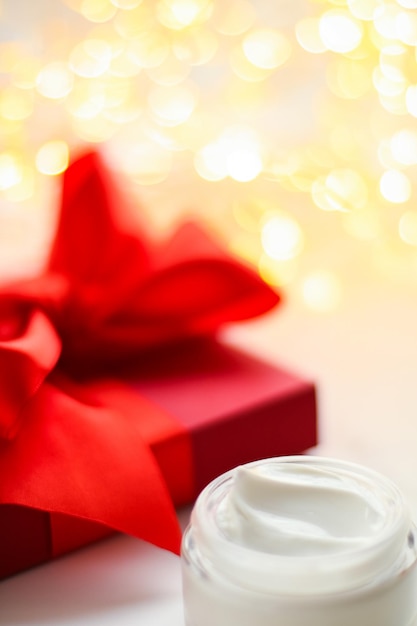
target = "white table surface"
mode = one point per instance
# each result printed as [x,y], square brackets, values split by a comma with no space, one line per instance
[364,360]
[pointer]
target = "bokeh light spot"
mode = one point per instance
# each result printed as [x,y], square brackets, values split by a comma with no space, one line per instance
[196,47]
[179,14]
[210,162]
[404,147]
[55,80]
[146,162]
[91,58]
[339,31]
[149,49]
[52,158]
[411,100]
[243,164]
[244,69]
[282,237]
[406,23]
[385,20]
[266,48]
[98,10]
[322,291]
[10,170]
[364,9]
[172,105]
[395,186]
[407,227]
[127,5]
[308,36]
[341,190]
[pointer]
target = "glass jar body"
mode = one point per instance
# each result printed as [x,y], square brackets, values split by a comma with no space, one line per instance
[210,600]
[214,598]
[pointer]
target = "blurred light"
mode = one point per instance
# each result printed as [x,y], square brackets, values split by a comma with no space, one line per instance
[282,237]
[178,14]
[170,72]
[149,49]
[195,47]
[348,78]
[98,10]
[172,105]
[244,165]
[147,163]
[245,98]
[135,22]
[266,48]
[344,142]
[395,186]
[52,158]
[322,291]
[10,170]
[24,189]
[365,225]
[245,246]
[127,5]
[246,70]
[249,213]
[385,20]
[411,100]
[85,102]
[10,129]
[339,31]
[55,80]
[95,130]
[386,86]
[123,65]
[240,148]
[131,59]
[392,61]
[90,58]
[124,113]
[385,155]
[364,9]
[340,190]
[308,36]
[233,17]
[277,273]
[210,162]
[186,11]
[15,104]
[407,227]
[394,104]
[404,147]
[406,24]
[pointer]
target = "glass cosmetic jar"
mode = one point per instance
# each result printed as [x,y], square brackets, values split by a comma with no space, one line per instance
[300,541]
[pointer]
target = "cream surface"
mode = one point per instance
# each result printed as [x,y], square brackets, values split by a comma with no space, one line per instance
[300,540]
[299,510]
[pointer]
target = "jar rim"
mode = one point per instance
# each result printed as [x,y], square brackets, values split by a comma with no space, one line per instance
[385,553]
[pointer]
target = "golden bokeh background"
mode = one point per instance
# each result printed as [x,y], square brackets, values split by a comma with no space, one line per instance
[287,126]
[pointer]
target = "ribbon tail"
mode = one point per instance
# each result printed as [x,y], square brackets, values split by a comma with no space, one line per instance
[88,462]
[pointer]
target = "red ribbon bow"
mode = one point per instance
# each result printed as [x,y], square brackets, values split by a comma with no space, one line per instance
[105,297]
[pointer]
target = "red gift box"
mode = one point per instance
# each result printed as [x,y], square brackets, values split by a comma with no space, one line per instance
[217,407]
[116,401]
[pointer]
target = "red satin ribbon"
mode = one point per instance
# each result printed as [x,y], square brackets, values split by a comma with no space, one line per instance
[106,296]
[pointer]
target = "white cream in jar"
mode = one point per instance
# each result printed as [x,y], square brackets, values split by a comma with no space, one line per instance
[300,541]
